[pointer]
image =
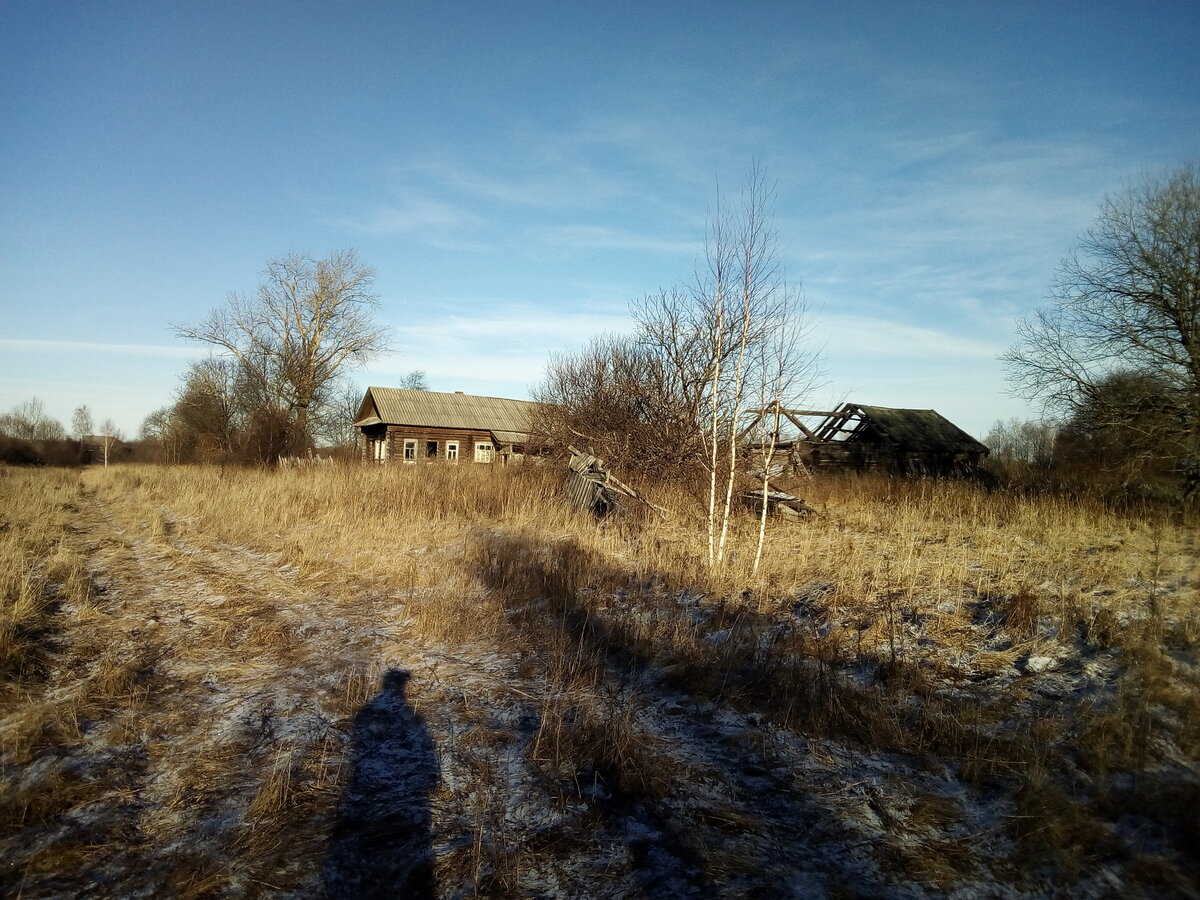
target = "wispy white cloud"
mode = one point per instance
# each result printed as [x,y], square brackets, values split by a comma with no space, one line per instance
[410,214]
[863,336]
[91,347]
[502,327]
[658,156]
[492,351]
[598,237]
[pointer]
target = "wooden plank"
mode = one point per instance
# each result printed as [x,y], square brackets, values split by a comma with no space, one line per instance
[803,428]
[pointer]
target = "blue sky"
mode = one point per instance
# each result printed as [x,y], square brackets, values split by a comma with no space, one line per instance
[517,173]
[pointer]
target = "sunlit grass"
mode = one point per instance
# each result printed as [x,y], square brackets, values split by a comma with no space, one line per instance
[905,617]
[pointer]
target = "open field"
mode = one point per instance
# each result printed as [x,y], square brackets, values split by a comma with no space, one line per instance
[393,681]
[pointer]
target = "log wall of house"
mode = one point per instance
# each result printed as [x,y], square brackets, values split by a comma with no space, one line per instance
[467,439]
[869,457]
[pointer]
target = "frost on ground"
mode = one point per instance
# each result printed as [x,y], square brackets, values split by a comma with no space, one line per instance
[218,721]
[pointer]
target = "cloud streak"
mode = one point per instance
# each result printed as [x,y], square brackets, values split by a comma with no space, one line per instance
[411,215]
[597,237]
[22,345]
[863,336]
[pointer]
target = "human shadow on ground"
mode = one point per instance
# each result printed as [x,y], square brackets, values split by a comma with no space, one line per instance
[381,844]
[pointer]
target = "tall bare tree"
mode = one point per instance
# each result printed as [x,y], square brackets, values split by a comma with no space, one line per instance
[109,439]
[670,395]
[1022,444]
[1127,301]
[309,320]
[757,326]
[81,422]
[81,427]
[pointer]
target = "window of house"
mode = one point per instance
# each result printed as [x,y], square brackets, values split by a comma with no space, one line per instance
[410,450]
[379,449]
[431,449]
[452,451]
[483,451]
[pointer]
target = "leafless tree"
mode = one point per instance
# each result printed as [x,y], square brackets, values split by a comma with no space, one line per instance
[1128,437]
[337,428]
[109,439]
[81,422]
[81,427]
[1127,301]
[29,421]
[415,381]
[1027,444]
[309,320]
[670,395]
[164,429]
[215,401]
[609,396]
[756,337]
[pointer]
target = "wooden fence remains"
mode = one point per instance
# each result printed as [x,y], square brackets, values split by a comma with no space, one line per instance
[300,462]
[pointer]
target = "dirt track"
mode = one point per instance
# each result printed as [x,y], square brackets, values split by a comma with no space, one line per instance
[225,756]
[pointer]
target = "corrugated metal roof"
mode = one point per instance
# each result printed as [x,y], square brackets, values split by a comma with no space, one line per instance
[510,437]
[508,420]
[921,430]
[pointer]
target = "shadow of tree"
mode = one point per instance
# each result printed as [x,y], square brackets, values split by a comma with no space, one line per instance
[381,842]
[674,840]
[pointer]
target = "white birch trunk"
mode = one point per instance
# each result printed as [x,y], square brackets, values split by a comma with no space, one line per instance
[768,456]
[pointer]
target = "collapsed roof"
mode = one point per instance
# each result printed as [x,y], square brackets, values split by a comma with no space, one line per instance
[861,436]
[914,430]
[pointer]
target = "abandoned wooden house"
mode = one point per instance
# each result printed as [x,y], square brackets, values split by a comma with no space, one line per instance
[428,426]
[865,438]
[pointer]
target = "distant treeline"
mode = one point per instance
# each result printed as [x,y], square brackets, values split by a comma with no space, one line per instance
[15,451]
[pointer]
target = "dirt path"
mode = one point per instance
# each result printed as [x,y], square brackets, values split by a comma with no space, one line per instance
[212,690]
[235,726]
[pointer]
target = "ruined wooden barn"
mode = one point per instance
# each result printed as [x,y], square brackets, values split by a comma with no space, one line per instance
[872,438]
[430,426]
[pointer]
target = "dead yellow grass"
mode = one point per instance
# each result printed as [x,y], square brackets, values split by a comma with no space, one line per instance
[905,618]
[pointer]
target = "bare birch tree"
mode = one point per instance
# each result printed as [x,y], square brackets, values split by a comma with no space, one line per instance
[757,323]
[108,438]
[669,396]
[719,255]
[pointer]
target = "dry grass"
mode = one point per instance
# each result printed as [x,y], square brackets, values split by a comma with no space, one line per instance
[189,649]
